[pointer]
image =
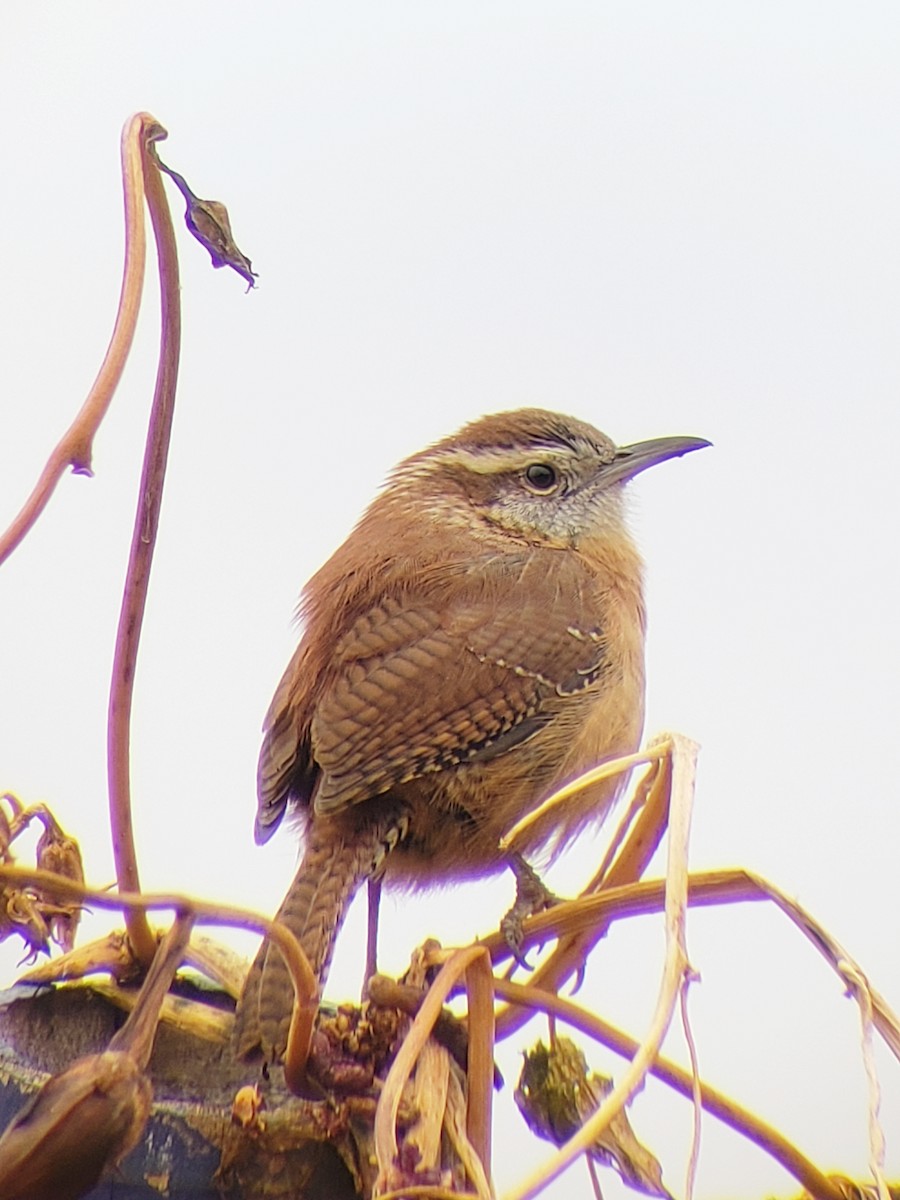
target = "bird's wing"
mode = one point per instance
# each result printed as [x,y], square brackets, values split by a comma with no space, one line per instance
[419,689]
[284,767]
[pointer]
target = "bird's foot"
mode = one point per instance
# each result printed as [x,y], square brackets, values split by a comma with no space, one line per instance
[532,896]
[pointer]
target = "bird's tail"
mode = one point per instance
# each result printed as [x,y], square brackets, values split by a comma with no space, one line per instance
[334,865]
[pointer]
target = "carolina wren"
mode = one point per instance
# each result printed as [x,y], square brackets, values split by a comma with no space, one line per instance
[477,640]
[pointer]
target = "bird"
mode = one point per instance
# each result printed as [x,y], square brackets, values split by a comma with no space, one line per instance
[475,642]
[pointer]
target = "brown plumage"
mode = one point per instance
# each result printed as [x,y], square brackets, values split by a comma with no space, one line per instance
[476,641]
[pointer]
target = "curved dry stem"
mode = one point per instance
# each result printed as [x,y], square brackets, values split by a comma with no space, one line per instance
[707,888]
[646,827]
[305,986]
[532,999]
[696,1097]
[588,918]
[385,1133]
[843,964]
[684,760]
[74,448]
[142,546]
[605,770]
[877,1145]
[652,801]
[300,1033]
[137,1034]
[587,914]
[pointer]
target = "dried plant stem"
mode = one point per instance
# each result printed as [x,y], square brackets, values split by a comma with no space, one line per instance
[303,1024]
[142,547]
[606,770]
[714,1102]
[884,1018]
[588,918]
[428,1101]
[74,448]
[194,1018]
[713,887]
[389,1102]
[305,986]
[480,986]
[652,801]
[859,987]
[137,1034]
[684,755]
[696,1096]
[575,917]
[456,1129]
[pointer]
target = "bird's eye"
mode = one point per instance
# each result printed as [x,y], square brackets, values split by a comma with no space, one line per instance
[540,477]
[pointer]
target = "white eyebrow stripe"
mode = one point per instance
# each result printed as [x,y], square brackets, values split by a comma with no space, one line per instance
[493,460]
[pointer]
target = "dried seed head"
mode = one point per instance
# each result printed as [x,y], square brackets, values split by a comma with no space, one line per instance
[21,913]
[59,853]
[556,1095]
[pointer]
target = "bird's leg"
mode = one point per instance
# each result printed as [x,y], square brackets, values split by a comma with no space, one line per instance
[374,897]
[532,896]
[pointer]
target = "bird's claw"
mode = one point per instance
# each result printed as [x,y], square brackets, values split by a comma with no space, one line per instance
[532,896]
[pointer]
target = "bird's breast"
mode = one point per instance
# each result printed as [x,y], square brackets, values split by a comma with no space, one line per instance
[461,814]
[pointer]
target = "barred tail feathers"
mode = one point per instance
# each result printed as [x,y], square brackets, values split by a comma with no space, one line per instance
[331,872]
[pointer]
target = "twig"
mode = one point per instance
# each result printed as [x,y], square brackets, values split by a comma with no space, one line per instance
[142,546]
[684,753]
[594,1178]
[75,447]
[139,1031]
[194,1018]
[306,995]
[456,1130]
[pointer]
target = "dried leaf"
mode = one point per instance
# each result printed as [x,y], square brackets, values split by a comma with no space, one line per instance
[428,1099]
[556,1096]
[209,223]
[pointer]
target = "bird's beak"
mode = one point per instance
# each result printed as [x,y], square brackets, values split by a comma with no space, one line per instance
[631,460]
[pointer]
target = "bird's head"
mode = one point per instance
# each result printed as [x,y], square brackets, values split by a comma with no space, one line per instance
[540,476]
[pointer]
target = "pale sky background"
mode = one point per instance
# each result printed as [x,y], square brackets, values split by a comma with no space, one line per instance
[662,217]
